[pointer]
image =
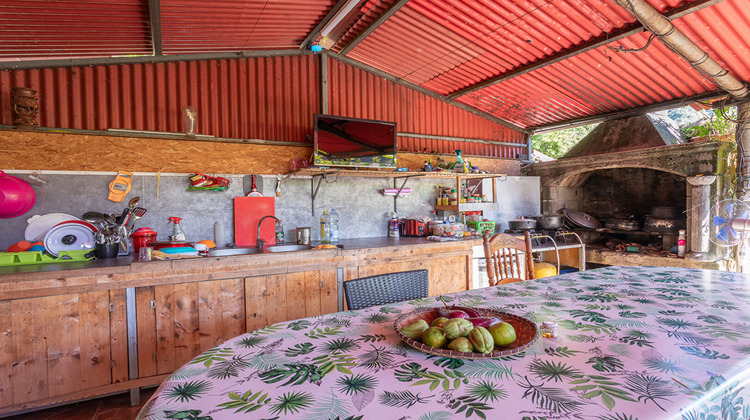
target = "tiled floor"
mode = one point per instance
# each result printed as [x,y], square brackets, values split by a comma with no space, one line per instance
[115,407]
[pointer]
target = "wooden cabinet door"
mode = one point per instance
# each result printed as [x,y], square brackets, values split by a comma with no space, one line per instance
[447,275]
[176,322]
[284,297]
[54,345]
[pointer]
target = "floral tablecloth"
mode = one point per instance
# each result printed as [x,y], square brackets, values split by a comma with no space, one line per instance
[633,343]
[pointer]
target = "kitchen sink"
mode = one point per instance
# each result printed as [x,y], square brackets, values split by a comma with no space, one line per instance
[220,252]
[287,248]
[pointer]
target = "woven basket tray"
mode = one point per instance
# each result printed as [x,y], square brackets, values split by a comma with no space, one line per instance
[526,334]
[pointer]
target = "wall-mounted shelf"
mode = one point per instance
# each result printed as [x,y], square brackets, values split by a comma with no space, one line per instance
[322,173]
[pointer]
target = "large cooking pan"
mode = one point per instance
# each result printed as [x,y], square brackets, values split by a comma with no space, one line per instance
[521,224]
[549,221]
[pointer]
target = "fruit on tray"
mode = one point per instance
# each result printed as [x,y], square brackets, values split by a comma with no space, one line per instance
[482,340]
[461,344]
[415,329]
[439,322]
[434,337]
[457,327]
[502,333]
[456,313]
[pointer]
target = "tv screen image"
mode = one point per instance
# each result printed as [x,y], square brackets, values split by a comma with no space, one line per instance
[352,142]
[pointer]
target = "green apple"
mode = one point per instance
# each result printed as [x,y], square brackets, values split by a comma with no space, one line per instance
[503,334]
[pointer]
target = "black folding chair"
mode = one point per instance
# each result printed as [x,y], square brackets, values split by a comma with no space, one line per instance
[386,288]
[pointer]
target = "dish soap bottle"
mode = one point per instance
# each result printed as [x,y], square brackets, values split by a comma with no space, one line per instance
[177,233]
[393,228]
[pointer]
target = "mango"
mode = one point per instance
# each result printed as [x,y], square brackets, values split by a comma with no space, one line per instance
[482,340]
[457,327]
[461,344]
[415,329]
[434,337]
[503,333]
[439,322]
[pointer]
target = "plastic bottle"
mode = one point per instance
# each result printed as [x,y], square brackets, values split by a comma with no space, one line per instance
[177,233]
[220,238]
[459,167]
[681,244]
[393,226]
[279,233]
[325,228]
[334,225]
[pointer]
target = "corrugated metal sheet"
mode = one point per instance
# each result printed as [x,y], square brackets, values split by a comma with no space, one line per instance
[262,98]
[370,11]
[32,29]
[356,93]
[190,26]
[259,98]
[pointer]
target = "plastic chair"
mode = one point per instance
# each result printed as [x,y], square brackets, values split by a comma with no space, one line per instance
[386,288]
[503,257]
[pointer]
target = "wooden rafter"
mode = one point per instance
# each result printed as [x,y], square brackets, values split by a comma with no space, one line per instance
[154,14]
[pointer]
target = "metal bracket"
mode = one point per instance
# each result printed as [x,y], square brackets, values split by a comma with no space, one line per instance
[111,306]
[152,304]
[406,178]
[340,288]
[314,188]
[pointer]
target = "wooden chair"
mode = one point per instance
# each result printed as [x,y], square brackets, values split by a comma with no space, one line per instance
[502,254]
[386,288]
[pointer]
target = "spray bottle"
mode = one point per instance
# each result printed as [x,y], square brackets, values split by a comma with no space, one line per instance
[177,233]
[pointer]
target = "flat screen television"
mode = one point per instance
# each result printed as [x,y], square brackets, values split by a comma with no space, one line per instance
[353,142]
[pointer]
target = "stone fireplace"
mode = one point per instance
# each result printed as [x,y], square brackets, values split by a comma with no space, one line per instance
[629,167]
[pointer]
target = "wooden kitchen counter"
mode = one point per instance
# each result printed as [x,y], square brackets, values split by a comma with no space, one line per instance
[66,328]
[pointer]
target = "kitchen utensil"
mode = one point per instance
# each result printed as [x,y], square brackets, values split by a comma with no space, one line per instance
[622,222]
[106,250]
[665,212]
[247,213]
[69,236]
[254,191]
[303,236]
[521,224]
[40,225]
[137,213]
[170,244]
[16,196]
[581,219]
[20,246]
[143,237]
[133,203]
[548,221]
[120,186]
[669,226]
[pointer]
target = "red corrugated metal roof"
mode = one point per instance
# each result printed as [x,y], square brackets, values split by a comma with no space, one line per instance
[80,28]
[196,26]
[443,46]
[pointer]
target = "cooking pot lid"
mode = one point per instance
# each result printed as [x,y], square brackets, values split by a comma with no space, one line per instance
[581,219]
[72,235]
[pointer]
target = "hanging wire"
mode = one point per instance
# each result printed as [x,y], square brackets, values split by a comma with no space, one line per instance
[630,50]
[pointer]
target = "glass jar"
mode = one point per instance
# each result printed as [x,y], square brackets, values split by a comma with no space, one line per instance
[548,329]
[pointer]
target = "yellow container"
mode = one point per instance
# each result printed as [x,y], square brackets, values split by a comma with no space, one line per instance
[543,269]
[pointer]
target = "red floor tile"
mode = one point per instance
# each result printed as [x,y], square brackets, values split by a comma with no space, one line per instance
[115,407]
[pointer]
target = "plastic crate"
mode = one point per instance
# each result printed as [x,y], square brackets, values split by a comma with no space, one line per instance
[488,226]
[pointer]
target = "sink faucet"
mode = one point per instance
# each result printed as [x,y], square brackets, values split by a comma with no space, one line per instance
[261,241]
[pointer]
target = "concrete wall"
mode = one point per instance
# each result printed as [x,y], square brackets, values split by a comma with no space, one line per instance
[364,211]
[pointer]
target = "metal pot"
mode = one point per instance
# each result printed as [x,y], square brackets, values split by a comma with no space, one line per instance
[669,226]
[549,221]
[521,224]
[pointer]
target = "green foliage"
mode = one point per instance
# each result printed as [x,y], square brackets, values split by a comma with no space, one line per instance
[352,384]
[471,406]
[605,363]
[402,399]
[553,399]
[446,379]
[295,374]
[299,349]
[292,402]
[547,370]
[714,123]
[252,341]
[601,386]
[228,368]
[208,357]
[557,143]
[487,391]
[561,351]
[246,402]
[328,362]
[188,391]
[324,332]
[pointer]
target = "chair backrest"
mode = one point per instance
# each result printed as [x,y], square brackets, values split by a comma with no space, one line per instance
[386,288]
[503,259]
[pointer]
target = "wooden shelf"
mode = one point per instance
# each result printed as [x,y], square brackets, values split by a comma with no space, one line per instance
[390,173]
[468,207]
